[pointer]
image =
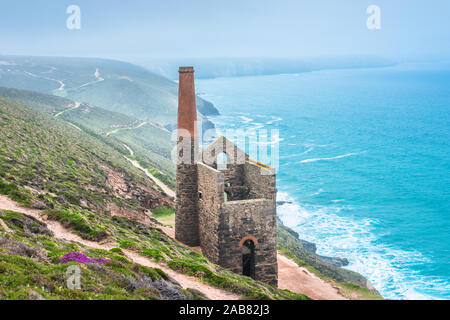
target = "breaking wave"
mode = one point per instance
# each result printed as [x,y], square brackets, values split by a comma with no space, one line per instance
[342,236]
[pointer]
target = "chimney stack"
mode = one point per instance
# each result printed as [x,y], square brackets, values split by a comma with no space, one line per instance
[186,216]
[187,108]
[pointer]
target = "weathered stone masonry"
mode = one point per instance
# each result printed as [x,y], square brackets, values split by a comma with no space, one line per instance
[231,212]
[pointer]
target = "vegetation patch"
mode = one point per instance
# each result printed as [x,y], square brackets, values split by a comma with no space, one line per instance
[77,222]
[152,254]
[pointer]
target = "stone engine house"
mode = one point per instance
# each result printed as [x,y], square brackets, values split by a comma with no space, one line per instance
[228,208]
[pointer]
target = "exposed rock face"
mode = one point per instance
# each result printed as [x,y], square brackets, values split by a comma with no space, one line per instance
[338,262]
[206,108]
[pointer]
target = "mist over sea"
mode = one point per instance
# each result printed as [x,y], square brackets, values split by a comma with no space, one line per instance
[364,165]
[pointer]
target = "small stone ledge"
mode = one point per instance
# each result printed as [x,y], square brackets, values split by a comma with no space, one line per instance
[262,202]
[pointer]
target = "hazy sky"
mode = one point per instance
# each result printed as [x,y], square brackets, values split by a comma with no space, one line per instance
[138,29]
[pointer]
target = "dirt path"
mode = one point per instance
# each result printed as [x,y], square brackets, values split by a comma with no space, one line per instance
[61,84]
[300,280]
[127,128]
[186,281]
[61,233]
[77,105]
[165,188]
[97,76]
[129,150]
[78,128]
[4,226]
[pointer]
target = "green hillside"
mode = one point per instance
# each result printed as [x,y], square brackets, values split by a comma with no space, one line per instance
[112,98]
[151,144]
[43,153]
[86,185]
[40,102]
[112,85]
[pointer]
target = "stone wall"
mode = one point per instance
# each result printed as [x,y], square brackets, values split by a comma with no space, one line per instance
[234,155]
[261,180]
[255,218]
[211,191]
[186,218]
[220,227]
[234,175]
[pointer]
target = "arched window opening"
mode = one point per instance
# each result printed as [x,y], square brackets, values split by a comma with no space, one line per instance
[222,161]
[248,259]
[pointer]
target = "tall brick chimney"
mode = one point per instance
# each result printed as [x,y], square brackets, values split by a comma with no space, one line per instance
[187,109]
[186,217]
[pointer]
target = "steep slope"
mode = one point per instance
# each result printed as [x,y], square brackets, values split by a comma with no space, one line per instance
[112,85]
[47,155]
[151,146]
[79,195]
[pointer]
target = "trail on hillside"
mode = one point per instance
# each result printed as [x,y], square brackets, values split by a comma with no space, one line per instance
[129,149]
[97,76]
[62,85]
[76,127]
[77,105]
[299,280]
[63,234]
[165,188]
[127,128]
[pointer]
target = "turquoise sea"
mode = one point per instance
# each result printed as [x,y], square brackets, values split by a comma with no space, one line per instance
[364,165]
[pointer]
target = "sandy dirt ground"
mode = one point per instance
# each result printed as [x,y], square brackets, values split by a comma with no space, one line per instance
[300,280]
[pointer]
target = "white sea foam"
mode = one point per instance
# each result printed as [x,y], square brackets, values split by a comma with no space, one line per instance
[332,158]
[296,155]
[339,235]
[274,120]
[318,192]
[246,120]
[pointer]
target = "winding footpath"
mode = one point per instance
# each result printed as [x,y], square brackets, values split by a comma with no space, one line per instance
[97,77]
[77,105]
[126,128]
[63,234]
[158,182]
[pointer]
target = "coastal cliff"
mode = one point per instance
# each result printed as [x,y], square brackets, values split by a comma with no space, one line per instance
[349,283]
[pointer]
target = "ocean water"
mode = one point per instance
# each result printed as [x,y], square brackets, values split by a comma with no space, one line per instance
[364,165]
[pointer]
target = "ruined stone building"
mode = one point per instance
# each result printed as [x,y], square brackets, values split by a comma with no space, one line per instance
[228,210]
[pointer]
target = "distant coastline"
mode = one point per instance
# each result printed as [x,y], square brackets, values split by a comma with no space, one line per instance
[242,67]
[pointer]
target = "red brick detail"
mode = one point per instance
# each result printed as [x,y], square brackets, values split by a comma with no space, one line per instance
[187,109]
[248,238]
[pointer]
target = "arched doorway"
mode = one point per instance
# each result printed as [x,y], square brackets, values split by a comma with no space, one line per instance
[248,259]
